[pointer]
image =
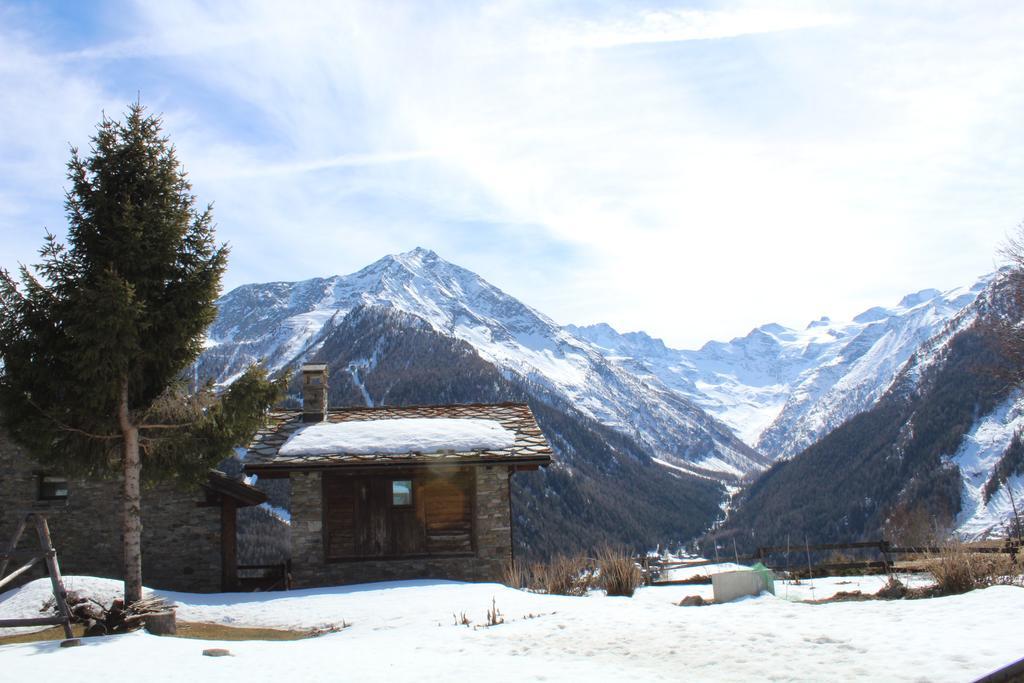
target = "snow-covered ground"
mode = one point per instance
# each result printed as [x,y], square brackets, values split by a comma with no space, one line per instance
[407,630]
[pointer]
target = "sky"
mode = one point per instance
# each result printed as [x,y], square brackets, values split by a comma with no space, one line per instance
[692,170]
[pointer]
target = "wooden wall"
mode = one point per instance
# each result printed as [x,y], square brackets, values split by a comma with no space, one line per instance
[360,520]
[459,527]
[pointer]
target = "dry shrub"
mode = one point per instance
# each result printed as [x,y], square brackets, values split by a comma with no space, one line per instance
[894,589]
[564,575]
[958,570]
[615,572]
[517,575]
[618,573]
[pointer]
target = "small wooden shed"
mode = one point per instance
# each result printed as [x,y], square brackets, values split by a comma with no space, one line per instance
[398,493]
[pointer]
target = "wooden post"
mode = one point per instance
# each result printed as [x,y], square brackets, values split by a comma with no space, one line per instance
[787,555]
[810,572]
[883,547]
[21,570]
[12,545]
[1016,516]
[59,594]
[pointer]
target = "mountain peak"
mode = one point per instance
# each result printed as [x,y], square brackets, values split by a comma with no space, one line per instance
[770,328]
[607,337]
[415,259]
[420,253]
[918,298]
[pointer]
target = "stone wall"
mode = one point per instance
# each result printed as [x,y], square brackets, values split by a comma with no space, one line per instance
[492,527]
[180,541]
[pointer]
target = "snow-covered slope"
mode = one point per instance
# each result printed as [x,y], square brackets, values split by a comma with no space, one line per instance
[979,454]
[781,389]
[286,322]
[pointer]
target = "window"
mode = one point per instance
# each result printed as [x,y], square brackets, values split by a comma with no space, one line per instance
[52,488]
[401,493]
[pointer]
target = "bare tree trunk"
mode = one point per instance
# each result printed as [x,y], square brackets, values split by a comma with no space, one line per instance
[131,523]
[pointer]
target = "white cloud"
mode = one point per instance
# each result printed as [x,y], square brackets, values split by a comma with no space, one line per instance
[695,172]
[674,25]
[45,108]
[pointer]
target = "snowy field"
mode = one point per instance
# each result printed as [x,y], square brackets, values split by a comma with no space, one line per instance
[406,630]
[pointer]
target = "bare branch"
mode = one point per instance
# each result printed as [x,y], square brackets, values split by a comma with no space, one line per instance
[68,428]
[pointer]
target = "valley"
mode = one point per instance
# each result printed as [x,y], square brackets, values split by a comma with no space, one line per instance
[673,429]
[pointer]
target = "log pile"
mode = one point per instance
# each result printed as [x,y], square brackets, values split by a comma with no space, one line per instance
[100,620]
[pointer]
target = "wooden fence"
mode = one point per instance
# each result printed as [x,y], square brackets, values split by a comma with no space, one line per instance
[654,567]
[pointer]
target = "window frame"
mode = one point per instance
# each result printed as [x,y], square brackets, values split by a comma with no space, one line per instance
[411,493]
[51,495]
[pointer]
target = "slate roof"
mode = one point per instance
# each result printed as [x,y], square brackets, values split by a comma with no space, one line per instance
[530,448]
[219,484]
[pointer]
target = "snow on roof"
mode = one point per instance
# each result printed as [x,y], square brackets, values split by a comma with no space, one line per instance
[402,435]
[530,448]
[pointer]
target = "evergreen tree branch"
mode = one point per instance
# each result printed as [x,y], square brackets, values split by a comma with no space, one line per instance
[68,428]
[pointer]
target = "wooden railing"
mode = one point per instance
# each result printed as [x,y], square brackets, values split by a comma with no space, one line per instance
[654,567]
[272,577]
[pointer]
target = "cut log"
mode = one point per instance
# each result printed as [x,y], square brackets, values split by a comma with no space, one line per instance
[161,623]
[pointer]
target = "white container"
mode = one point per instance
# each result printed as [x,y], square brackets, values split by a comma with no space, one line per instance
[731,585]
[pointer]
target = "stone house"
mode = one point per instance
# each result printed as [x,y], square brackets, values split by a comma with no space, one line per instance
[397,493]
[188,536]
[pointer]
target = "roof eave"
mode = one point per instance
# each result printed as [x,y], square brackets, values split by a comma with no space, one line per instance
[256,468]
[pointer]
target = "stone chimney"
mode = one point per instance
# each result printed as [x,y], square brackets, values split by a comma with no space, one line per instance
[314,392]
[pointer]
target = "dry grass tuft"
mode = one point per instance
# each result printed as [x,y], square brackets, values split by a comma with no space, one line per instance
[517,575]
[615,571]
[958,570]
[564,575]
[618,573]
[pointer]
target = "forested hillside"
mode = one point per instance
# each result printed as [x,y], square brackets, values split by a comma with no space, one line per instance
[887,462]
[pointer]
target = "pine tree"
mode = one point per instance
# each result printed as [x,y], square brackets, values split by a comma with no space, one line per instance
[95,338]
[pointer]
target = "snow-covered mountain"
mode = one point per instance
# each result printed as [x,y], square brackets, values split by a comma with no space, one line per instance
[724,410]
[940,450]
[782,389]
[284,323]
